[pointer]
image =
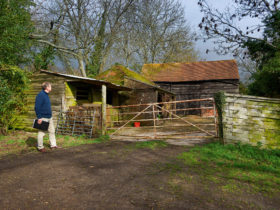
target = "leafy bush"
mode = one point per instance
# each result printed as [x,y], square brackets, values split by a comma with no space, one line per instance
[13,83]
[15,29]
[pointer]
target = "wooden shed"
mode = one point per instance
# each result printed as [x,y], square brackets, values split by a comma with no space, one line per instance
[195,80]
[68,91]
[142,89]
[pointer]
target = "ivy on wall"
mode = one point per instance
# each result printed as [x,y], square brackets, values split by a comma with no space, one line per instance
[220,100]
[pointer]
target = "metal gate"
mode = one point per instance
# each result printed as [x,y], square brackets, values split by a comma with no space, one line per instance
[79,120]
[177,119]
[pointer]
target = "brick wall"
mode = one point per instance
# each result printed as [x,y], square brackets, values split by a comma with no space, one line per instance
[250,119]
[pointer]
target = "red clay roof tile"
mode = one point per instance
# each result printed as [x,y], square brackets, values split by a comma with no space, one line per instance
[195,71]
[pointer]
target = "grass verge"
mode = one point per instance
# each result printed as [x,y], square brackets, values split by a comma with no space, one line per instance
[22,142]
[232,168]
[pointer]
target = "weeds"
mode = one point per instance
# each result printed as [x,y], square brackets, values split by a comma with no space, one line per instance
[175,188]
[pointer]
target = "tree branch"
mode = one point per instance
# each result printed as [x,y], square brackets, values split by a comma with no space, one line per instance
[62,49]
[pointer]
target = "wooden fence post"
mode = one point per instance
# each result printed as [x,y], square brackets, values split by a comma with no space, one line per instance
[104,114]
[215,118]
[154,118]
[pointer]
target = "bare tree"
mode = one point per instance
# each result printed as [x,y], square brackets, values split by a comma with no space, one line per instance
[75,21]
[225,28]
[86,28]
[110,25]
[162,32]
[155,31]
[134,31]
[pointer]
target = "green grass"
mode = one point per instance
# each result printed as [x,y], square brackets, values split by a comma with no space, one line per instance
[150,144]
[240,164]
[17,143]
[69,141]
[11,141]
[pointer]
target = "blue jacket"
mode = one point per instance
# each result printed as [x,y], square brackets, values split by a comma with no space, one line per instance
[43,105]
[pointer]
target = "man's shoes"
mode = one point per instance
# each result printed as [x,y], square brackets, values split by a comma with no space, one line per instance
[42,150]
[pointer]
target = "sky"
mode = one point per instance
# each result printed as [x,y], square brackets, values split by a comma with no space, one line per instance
[194,16]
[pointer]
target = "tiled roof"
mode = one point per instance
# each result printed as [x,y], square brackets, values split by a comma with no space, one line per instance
[195,71]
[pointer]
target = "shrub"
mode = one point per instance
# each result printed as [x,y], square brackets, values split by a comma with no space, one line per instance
[13,83]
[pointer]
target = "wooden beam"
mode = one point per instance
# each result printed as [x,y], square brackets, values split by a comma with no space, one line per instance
[171,102]
[104,103]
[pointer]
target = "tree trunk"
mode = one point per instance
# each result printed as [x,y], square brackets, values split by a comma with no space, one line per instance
[81,64]
[103,62]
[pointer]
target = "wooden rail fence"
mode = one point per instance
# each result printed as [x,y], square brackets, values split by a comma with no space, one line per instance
[160,116]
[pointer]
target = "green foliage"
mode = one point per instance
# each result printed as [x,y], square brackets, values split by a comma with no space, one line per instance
[44,58]
[243,89]
[265,84]
[15,28]
[96,57]
[13,83]
[266,81]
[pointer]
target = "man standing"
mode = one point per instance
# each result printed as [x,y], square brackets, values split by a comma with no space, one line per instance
[44,113]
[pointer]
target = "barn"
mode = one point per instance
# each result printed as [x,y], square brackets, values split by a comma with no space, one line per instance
[195,80]
[68,91]
[143,90]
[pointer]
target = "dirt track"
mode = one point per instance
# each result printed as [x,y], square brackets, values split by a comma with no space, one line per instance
[109,176]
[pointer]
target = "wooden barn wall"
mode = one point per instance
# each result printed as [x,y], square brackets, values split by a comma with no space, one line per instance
[145,93]
[196,90]
[141,94]
[138,96]
[25,121]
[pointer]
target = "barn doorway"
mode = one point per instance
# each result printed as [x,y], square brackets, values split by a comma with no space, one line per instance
[163,120]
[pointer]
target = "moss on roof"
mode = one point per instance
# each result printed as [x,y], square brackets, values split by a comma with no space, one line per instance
[117,73]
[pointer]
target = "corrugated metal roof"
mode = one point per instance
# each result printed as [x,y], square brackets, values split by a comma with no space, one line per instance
[195,71]
[88,80]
